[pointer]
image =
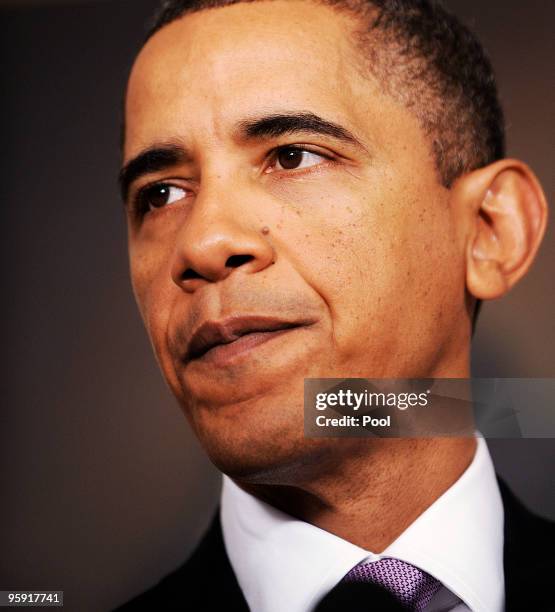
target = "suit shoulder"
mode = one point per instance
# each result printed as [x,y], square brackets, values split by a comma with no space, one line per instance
[205,580]
[525,532]
[529,556]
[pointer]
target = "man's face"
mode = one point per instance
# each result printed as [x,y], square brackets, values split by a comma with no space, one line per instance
[294,210]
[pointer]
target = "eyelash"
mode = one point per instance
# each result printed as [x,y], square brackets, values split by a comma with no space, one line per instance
[140,206]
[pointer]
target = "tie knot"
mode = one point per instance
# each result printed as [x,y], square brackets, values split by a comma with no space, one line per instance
[409,585]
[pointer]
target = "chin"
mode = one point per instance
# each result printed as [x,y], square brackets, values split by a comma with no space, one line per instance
[259,442]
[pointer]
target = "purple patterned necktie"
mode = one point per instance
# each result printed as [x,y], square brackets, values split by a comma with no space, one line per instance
[409,585]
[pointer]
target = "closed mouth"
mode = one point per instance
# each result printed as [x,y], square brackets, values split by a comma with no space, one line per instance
[212,334]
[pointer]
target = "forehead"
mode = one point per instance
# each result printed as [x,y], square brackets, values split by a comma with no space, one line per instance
[209,69]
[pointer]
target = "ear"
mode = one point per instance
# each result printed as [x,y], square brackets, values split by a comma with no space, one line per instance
[506,214]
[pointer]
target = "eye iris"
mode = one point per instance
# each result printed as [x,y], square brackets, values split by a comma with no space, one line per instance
[290,158]
[158,196]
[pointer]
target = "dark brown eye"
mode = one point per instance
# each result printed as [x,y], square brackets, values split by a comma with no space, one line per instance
[160,195]
[289,159]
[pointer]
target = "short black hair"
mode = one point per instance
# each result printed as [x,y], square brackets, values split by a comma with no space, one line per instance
[425,58]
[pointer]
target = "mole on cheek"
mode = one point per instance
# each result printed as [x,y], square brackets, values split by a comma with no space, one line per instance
[265,230]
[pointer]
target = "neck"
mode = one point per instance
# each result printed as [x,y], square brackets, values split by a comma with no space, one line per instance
[372,495]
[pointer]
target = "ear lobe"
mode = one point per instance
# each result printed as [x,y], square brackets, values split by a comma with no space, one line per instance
[509,215]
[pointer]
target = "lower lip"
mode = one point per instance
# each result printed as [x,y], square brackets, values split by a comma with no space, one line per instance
[223,354]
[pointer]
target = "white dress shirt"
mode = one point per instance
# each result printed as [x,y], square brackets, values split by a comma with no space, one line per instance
[283,564]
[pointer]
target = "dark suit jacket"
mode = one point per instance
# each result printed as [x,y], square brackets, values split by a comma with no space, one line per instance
[207,582]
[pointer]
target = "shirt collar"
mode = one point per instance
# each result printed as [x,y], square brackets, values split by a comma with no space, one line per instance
[282,563]
[459,538]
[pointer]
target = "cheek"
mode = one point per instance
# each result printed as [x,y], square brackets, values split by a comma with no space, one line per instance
[385,263]
[408,280]
[153,293]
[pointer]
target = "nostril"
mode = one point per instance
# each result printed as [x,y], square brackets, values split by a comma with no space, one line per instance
[190,274]
[235,261]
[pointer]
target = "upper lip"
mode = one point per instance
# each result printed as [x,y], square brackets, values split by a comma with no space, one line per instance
[213,333]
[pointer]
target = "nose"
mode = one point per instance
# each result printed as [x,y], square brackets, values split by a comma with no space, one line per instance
[215,240]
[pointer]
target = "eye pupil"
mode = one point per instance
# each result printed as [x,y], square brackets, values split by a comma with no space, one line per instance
[290,159]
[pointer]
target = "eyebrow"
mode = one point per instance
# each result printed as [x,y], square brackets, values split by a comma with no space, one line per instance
[153,159]
[163,156]
[281,124]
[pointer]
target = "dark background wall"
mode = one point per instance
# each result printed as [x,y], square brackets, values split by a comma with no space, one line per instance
[103,488]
